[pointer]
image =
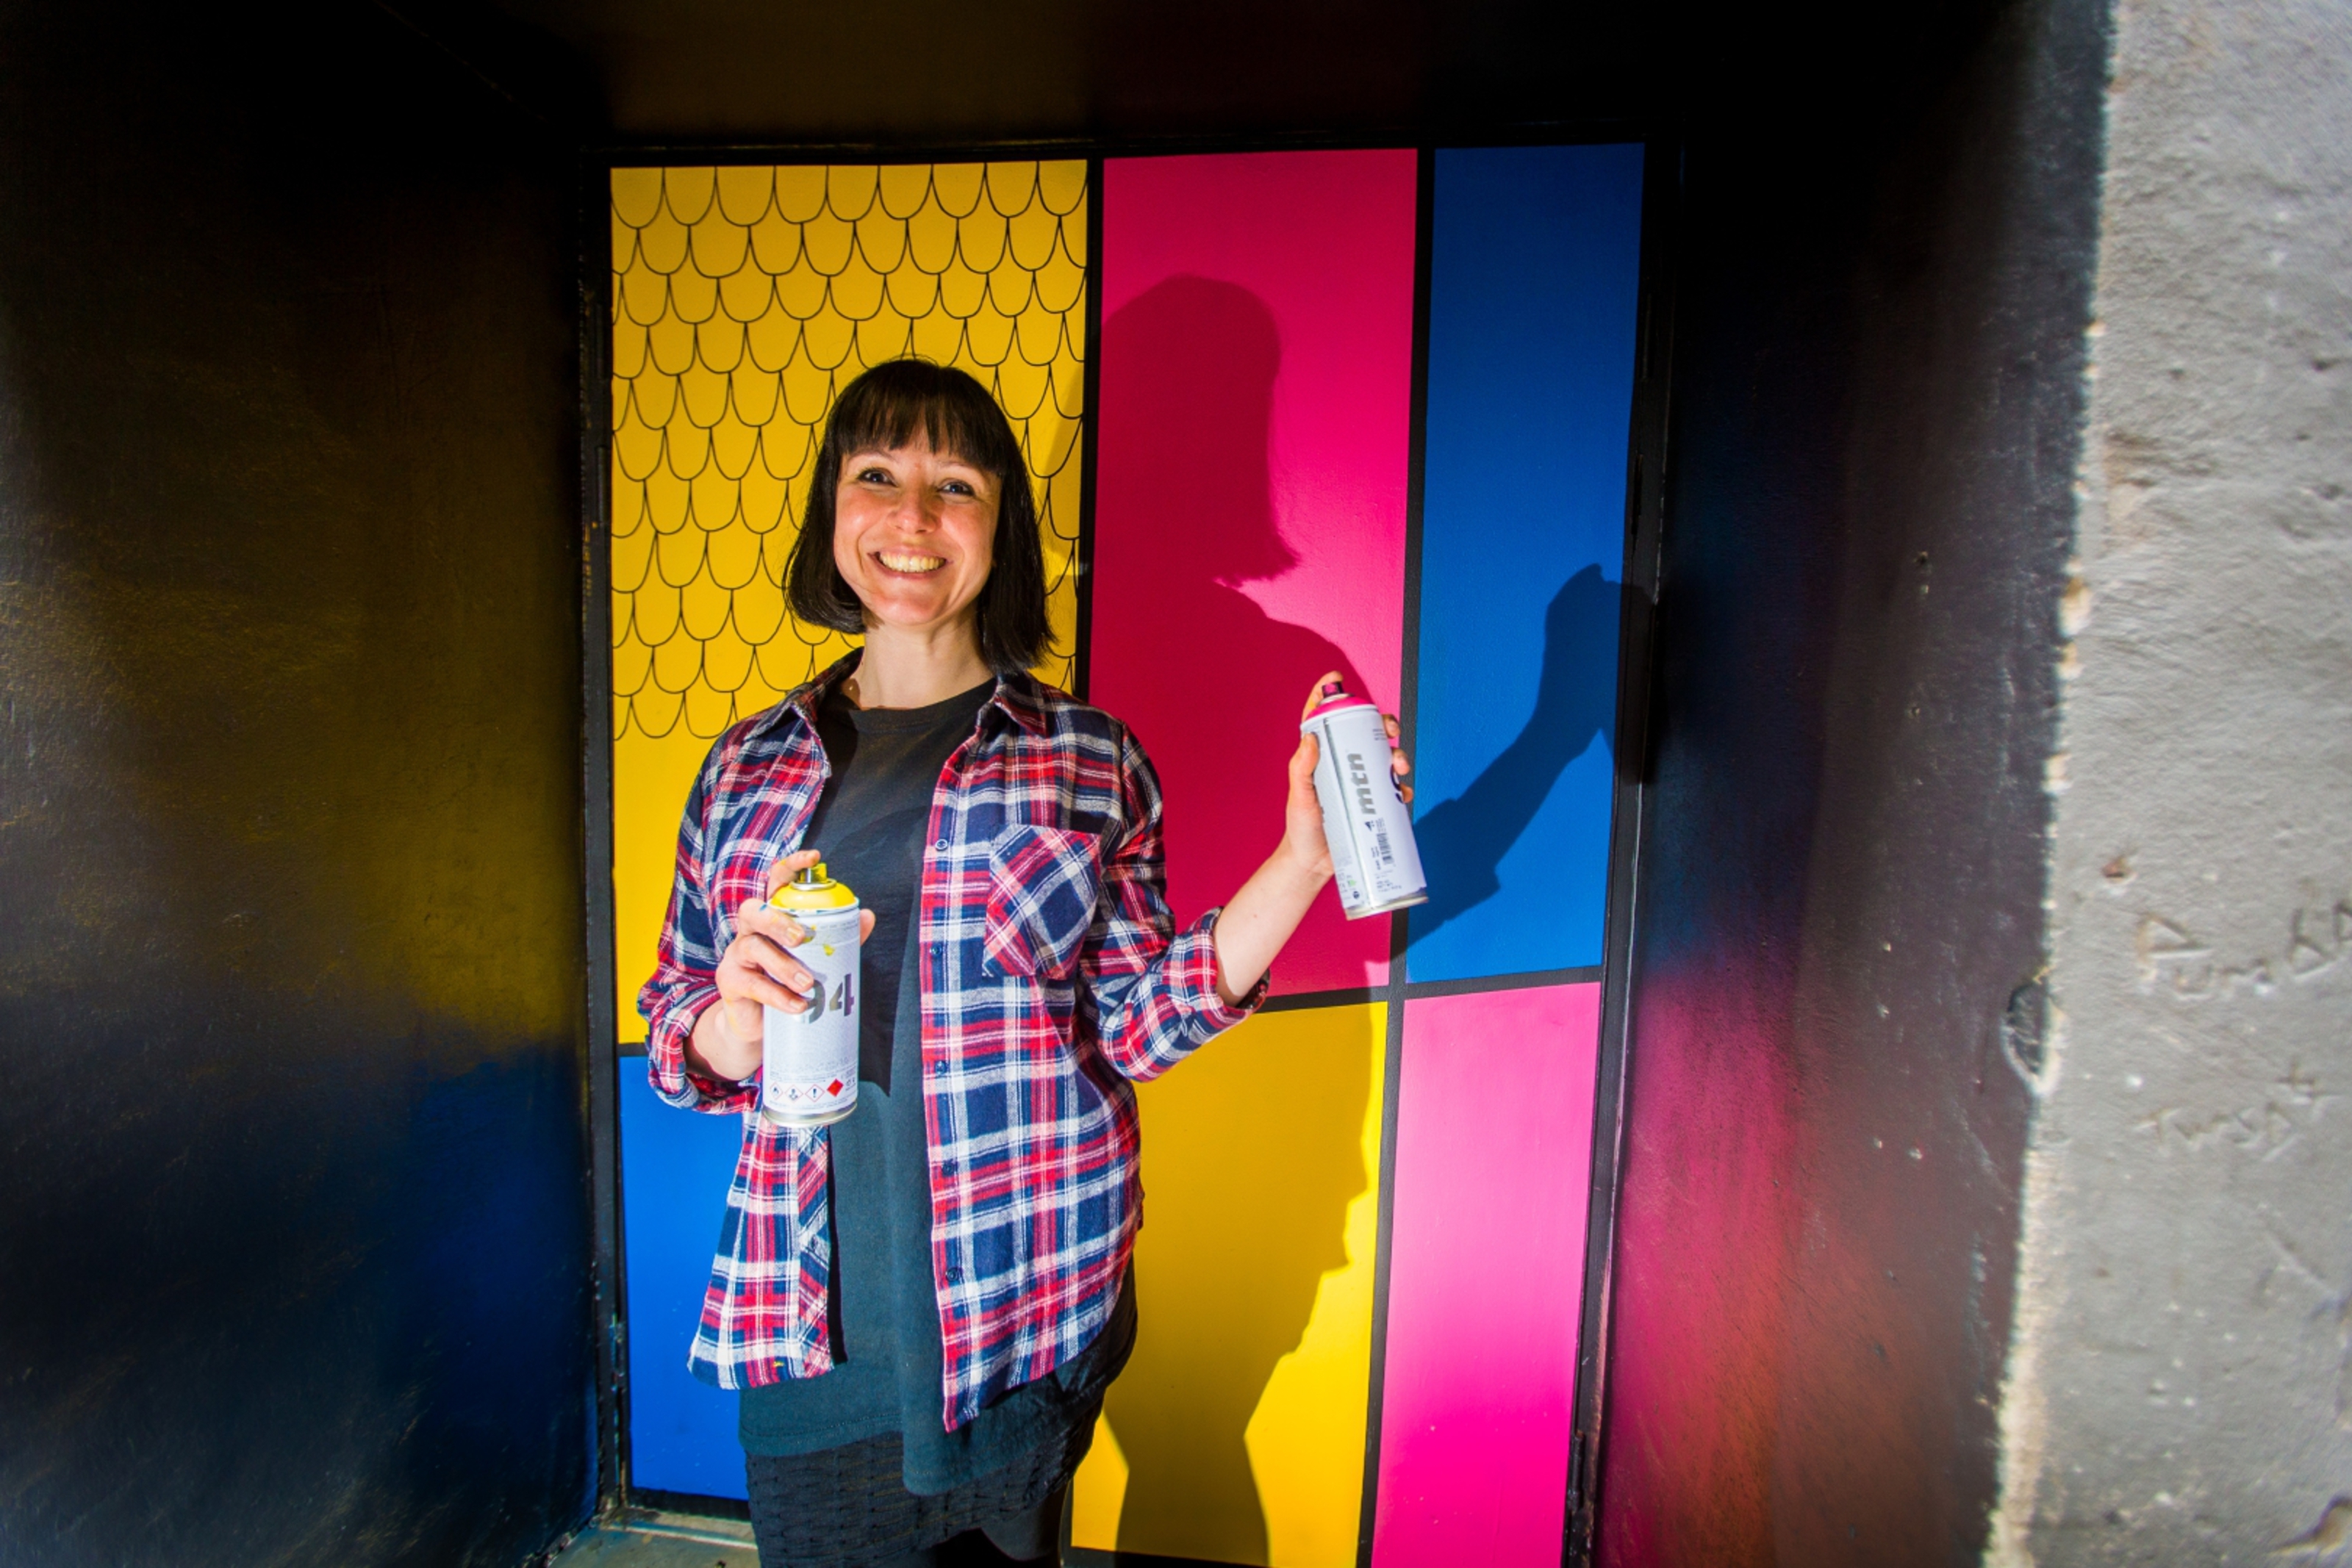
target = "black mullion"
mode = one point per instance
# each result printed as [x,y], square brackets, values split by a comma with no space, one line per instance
[1303,1002]
[1527,980]
[1408,709]
[1645,524]
[1081,665]
[1360,996]
[594,215]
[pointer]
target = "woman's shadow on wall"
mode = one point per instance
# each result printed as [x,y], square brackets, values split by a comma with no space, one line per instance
[1185,513]
[1463,840]
[1253,1151]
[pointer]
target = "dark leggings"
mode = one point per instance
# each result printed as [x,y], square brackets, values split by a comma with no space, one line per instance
[849,1508]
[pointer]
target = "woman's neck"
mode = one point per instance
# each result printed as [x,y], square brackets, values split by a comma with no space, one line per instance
[905,668]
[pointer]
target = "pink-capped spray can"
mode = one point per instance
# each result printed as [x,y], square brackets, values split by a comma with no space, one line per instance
[1373,857]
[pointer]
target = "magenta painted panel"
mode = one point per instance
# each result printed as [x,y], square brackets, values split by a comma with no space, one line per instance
[1254,400]
[1493,1144]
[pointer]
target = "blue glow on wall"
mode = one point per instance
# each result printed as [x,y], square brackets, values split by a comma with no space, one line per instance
[1533,277]
[675,1165]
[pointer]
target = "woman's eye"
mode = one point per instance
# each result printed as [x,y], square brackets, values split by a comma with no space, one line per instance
[958,487]
[874,476]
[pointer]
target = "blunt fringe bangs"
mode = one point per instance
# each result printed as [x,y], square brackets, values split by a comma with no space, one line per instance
[888,407]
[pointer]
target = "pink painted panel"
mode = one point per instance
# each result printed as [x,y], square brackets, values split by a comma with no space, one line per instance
[1486,1268]
[1254,400]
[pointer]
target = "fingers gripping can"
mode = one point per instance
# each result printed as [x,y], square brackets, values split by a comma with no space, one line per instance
[808,1074]
[1373,856]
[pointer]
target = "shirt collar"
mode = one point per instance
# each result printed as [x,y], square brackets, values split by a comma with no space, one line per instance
[1018,695]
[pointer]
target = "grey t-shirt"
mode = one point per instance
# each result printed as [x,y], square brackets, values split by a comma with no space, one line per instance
[870,824]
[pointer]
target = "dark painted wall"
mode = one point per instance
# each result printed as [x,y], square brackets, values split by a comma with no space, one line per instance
[1878,391]
[293,1225]
[927,73]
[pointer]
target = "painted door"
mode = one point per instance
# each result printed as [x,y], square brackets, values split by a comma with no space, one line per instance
[1279,334]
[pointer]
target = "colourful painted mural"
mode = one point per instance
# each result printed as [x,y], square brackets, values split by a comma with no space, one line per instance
[743,298]
[1535,260]
[1494,1147]
[1256,389]
[1236,1433]
[1253,513]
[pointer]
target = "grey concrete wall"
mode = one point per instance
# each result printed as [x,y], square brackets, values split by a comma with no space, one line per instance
[2180,1383]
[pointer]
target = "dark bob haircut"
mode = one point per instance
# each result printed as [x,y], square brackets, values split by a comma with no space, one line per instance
[888,407]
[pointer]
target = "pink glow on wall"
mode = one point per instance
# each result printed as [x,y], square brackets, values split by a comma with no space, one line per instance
[1485,1272]
[1254,400]
[1708,1217]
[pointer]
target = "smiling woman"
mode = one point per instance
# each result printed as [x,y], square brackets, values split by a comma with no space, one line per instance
[908,507]
[924,1301]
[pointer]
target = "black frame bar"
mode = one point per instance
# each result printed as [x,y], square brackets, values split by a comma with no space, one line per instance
[602,1088]
[1424,218]
[1645,490]
[1645,513]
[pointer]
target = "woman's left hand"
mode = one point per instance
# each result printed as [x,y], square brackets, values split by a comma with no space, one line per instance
[1302,813]
[1260,917]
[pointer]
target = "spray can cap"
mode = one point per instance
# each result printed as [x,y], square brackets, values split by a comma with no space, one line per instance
[1332,697]
[812,889]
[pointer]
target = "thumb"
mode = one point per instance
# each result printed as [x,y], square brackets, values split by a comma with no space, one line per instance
[1302,762]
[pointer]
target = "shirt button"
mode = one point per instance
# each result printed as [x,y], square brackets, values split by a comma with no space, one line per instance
[940,845]
[947,1167]
[955,1275]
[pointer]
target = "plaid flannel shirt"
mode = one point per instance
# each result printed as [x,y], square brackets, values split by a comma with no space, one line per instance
[1052,979]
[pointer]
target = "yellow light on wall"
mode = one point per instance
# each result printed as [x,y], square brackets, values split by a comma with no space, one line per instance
[744,297]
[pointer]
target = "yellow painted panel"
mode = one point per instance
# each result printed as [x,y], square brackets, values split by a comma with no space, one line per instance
[1099,1489]
[745,298]
[1238,1431]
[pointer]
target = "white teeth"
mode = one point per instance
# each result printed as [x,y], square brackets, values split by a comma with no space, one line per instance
[898,561]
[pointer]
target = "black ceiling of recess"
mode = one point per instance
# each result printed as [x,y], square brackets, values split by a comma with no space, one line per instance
[918,72]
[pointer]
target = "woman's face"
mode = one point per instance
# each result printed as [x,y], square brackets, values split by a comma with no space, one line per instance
[914,534]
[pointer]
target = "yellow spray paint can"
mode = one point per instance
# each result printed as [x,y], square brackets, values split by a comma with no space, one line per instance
[808,1074]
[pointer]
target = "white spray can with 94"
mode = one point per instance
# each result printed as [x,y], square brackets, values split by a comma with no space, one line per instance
[808,1072]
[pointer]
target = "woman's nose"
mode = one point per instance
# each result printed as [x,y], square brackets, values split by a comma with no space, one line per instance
[918,511]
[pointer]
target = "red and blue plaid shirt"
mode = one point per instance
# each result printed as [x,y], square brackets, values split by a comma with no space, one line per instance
[1052,979]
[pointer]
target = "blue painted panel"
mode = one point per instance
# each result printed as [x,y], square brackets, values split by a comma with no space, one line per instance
[674,1167]
[1533,277]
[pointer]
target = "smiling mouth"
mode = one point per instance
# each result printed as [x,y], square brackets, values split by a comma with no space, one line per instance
[909,561]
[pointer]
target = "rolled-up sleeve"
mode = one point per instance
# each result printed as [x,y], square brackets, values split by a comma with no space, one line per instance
[683,984]
[1154,991]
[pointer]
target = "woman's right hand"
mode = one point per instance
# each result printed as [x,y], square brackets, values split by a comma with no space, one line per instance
[758,971]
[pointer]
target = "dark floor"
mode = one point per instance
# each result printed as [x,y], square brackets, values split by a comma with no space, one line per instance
[664,1541]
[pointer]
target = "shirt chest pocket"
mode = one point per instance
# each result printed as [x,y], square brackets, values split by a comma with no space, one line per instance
[1042,885]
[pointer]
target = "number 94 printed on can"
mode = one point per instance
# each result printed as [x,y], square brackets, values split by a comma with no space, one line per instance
[808,1070]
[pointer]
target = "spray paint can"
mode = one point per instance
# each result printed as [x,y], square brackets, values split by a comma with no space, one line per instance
[1373,856]
[808,1074]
